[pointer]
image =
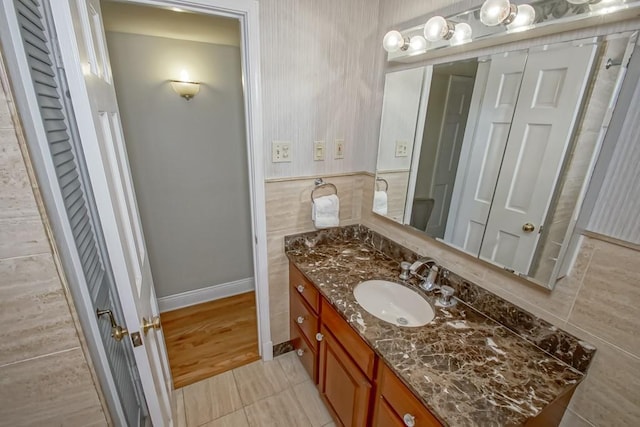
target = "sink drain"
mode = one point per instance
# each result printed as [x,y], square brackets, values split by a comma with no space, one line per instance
[402,321]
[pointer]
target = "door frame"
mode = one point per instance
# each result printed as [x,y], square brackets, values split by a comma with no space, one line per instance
[247,12]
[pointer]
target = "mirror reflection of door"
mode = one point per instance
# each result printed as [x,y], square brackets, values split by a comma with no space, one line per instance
[452,86]
[552,88]
[498,84]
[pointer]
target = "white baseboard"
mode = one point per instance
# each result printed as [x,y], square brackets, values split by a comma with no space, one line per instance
[210,293]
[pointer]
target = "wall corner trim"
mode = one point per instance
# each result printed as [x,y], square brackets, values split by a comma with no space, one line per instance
[210,293]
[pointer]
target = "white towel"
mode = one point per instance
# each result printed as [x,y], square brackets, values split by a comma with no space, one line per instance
[380,202]
[325,211]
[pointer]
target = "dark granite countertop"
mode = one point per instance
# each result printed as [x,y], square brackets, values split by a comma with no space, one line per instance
[467,368]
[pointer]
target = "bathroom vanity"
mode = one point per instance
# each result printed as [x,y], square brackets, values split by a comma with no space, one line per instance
[483,361]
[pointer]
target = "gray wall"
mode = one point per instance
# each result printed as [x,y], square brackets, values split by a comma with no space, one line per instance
[188,159]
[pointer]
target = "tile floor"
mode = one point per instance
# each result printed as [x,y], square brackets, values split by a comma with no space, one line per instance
[276,393]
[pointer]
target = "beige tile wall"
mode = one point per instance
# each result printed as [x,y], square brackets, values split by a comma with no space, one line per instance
[288,205]
[44,376]
[599,302]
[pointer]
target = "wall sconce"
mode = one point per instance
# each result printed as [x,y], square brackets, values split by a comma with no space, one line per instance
[496,12]
[184,87]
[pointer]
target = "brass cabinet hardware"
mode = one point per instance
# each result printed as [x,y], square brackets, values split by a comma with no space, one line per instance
[528,227]
[117,331]
[154,323]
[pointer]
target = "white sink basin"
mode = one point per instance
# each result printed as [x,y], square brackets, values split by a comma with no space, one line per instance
[393,303]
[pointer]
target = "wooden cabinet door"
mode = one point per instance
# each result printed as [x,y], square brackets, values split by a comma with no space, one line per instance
[344,388]
[385,416]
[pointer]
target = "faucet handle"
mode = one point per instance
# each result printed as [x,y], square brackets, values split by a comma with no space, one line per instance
[445,300]
[405,266]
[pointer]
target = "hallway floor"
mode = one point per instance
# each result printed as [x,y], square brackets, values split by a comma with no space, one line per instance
[278,393]
[206,339]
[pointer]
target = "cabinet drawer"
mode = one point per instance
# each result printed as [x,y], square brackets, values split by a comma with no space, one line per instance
[307,355]
[362,355]
[401,399]
[301,285]
[304,318]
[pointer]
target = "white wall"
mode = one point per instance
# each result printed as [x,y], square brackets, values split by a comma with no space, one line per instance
[320,67]
[188,159]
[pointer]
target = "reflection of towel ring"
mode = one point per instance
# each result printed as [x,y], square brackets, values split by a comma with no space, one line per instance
[321,184]
[386,184]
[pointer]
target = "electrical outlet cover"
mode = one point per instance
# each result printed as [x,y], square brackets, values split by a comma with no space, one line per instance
[318,150]
[339,149]
[281,151]
[402,148]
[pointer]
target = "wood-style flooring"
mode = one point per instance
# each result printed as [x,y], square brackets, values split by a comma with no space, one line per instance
[206,339]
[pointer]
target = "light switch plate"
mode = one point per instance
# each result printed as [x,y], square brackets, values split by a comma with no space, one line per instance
[339,149]
[281,151]
[318,150]
[402,148]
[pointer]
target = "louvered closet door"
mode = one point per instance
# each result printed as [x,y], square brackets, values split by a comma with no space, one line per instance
[80,206]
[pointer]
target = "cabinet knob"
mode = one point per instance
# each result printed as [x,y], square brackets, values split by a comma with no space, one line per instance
[319,336]
[300,352]
[300,319]
[409,420]
[300,288]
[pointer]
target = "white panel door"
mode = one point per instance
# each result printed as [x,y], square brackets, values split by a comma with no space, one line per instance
[456,111]
[552,88]
[479,175]
[78,24]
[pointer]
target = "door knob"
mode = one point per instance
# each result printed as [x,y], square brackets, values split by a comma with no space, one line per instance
[154,323]
[117,331]
[528,227]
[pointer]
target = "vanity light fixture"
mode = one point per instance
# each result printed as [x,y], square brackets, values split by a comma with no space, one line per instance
[393,41]
[185,88]
[525,16]
[496,12]
[461,35]
[438,28]
[417,44]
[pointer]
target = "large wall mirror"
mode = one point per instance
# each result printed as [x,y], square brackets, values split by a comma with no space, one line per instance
[492,155]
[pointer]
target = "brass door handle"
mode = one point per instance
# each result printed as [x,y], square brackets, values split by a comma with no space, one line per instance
[154,323]
[528,227]
[117,331]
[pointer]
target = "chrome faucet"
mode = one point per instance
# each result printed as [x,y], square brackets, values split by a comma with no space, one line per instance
[420,264]
[430,283]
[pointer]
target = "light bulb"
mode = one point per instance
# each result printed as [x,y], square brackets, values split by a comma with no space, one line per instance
[496,12]
[184,76]
[438,28]
[461,35]
[417,44]
[393,41]
[525,17]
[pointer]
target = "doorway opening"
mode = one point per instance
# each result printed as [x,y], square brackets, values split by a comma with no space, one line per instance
[189,165]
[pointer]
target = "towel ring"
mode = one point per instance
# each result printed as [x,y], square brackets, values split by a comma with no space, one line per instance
[386,184]
[321,184]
